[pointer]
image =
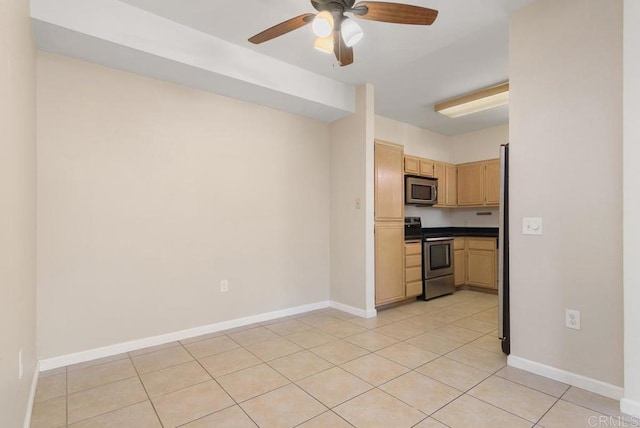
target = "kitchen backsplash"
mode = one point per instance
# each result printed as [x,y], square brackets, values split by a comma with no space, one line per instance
[454,217]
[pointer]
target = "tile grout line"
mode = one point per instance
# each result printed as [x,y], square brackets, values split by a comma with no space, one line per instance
[145,390]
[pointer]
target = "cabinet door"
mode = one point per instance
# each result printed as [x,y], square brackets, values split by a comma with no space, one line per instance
[440,172]
[426,167]
[411,165]
[471,184]
[389,182]
[389,249]
[451,195]
[481,268]
[492,182]
[459,267]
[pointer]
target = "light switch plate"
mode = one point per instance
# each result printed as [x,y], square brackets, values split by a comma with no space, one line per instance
[532,226]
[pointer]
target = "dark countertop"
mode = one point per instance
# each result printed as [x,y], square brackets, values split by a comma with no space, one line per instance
[481,232]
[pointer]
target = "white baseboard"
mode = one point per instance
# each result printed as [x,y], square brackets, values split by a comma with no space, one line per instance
[574,379]
[630,407]
[353,310]
[32,397]
[119,348]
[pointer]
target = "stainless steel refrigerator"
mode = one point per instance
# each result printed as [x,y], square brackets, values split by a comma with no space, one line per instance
[504,332]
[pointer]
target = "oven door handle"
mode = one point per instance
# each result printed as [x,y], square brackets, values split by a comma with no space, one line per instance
[446,238]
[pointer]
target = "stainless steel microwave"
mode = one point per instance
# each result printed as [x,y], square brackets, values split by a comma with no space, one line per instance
[420,190]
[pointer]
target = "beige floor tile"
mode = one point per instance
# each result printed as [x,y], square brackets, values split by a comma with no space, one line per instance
[212,346]
[568,415]
[433,343]
[139,415]
[300,365]
[97,362]
[514,398]
[231,417]
[334,386]
[50,414]
[202,337]
[285,407]
[51,387]
[540,383]
[274,321]
[421,392]
[52,372]
[251,382]
[407,355]
[289,326]
[310,338]
[453,373]
[188,404]
[255,335]
[489,315]
[418,307]
[476,325]
[458,333]
[326,420]
[368,322]
[242,328]
[479,358]
[154,348]
[106,398]
[174,378]
[423,323]
[377,409]
[374,369]
[272,349]
[339,351]
[342,329]
[430,423]
[229,362]
[339,314]
[490,343]
[158,360]
[371,340]
[90,377]
[467,411]
[400,330]
[319,320]
[446,316]
[593,401]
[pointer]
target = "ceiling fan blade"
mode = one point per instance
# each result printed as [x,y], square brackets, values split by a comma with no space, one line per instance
[344,53]
[394,12]
[282,28]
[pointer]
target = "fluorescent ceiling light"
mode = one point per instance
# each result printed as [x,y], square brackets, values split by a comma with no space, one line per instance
[323,24]
[478,101]
[324,44]
[351,32]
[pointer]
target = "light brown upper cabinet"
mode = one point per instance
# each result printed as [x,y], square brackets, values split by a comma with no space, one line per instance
[492,184]
[447,184]
[426,167]
[479,183]
[418,166]
[389,182]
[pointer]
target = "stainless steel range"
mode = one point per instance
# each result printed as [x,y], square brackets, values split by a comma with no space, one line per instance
[437,266]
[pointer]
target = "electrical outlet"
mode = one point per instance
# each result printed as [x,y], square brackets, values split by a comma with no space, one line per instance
[532,226]
[20,365]
[572,319]
[224,286]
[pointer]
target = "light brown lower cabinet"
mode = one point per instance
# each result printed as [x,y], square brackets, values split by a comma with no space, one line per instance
[459,267]
[389,250]
[481,262]
[413,268]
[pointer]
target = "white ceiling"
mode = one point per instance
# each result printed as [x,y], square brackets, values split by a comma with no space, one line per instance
[411,67]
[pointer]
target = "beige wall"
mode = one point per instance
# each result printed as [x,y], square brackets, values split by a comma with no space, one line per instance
[352,205]
[566,140]
[18,208]
[151,193]
[416,141]
[477,145]
[631,403]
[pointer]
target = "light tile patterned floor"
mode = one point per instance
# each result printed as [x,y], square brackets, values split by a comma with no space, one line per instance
[424,364]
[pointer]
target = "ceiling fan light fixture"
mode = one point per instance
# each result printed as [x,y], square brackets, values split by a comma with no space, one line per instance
[485,99]
[324,44]
[351,32]
[323,24]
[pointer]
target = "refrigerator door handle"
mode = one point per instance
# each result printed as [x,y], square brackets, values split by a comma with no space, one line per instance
[501,246]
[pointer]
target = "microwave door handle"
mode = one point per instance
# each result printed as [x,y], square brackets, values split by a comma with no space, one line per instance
[435,193]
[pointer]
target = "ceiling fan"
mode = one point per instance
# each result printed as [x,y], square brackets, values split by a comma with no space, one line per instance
[337,33]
